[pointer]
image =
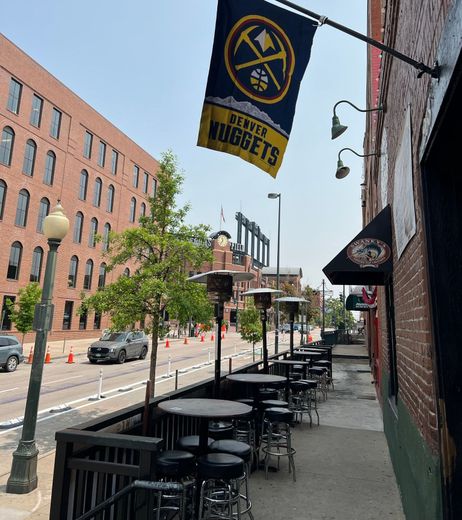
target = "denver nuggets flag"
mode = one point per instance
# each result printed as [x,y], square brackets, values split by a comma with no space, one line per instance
[259,56]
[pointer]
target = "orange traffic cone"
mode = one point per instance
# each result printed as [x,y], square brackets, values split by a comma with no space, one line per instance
[212,337]
[310,338]
[185,342]
[70,357]
[48,355]
[167,344]
[31,356]
[202,338]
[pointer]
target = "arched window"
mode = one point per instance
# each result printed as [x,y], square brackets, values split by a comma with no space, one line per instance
[97,192]
[110,198]
[3,189]
[106,231]
[6,146]
[14,262]
[22,208]
[88,274]
[73,269]
[132,209]
[142,209]
[78,226]
[49,173]
[29,158]
[127,272]
[83,185]
[44,209]
[36,268]
[93,232]
[102,275]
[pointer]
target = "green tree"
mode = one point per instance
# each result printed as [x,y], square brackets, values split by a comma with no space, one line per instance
[162,248]
[334,314]
[189,303]
[250,325]
[313,313]
[22,310]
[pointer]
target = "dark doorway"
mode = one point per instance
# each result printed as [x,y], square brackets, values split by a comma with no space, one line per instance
[442,202]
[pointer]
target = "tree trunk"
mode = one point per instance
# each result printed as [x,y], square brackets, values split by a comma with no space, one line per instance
[155,344]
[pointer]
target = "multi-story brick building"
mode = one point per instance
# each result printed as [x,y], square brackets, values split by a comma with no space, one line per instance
[55,146]
[415,336]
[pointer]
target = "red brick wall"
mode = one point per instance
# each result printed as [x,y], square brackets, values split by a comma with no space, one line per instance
[77,117]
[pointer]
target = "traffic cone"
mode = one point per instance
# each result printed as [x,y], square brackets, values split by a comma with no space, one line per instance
[202,338]
[223,335]
[70,357]
[167,344]
[310,338]
[31,356]
[185,342]
[48,355]
[212,337]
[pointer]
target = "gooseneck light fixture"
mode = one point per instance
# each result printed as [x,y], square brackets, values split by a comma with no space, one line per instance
[262,301]
[23,476]
[276,331]
[337,128]
[342,170]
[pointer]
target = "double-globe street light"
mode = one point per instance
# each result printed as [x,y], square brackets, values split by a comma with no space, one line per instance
[276,334]
[23,477]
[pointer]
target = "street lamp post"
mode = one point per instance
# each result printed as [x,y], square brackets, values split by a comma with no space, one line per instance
[23,477]
[276,334]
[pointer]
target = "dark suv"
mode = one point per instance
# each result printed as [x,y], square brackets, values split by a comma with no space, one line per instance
[11,353]
[119,346]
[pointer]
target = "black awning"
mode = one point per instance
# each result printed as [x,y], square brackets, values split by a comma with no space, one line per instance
[368,258]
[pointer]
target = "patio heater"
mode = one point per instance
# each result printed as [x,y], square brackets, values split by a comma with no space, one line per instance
[220,290]
[290,304]
[262,301]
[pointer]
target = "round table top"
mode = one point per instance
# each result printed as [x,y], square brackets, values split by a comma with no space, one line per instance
[308,353]
[290,362]
[255,378]
[209,408]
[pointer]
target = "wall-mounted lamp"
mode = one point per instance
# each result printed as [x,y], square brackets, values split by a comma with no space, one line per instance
[342,170]
[337,128]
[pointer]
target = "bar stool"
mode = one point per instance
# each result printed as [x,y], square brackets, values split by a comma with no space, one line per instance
[298,402]
[179,467]
[220,474]
[311,400]
[320,374]
[191,443]
[278,437]
[221,430]
[244,452]
[326,364]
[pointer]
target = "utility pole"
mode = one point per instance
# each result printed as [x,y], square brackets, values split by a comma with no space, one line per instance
[323,307]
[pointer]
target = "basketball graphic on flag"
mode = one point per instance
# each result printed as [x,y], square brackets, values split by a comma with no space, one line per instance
[259,80]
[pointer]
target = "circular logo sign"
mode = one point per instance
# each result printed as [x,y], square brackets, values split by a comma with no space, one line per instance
[368,252]
[259,59]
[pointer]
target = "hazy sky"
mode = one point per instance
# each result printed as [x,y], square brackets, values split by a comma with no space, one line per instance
[144,64]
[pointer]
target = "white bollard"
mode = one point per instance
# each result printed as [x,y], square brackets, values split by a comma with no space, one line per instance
[100,384]
[169,366]
[209,356]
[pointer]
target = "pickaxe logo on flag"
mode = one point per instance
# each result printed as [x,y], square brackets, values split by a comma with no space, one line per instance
[259,59]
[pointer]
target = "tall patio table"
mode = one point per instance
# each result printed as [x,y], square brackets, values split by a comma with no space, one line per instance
[313,356]
[288,363]
[255,380]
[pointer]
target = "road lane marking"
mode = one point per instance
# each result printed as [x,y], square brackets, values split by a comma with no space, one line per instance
[9,389]
[61,380]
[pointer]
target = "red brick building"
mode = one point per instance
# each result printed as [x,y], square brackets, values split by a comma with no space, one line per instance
[416,336]
[55,146]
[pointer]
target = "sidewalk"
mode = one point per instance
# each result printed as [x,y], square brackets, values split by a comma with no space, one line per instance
[343,466]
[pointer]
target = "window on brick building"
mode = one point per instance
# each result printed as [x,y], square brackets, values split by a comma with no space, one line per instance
[36,111]
[145,182]
[22,208]
[114,162]
[6,146]
[14,96]
[44,209]
[102,276]
[106,231]
[14,263]
[136,176]
[88,275]
[97,192]
[83,185]
[55,126]
[36,267]
[126,272]
[29,158]
[132,210]
[67,316]
[142,209]
[93,232]
[102,154]
[78,228]
[73,270]
[110,198]
[3,189]
[87,144]
[154,188]
[83,320]
[49,173]
[6,313]
[97,321]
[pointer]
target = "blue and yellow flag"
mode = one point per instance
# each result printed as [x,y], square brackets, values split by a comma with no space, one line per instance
[259,56]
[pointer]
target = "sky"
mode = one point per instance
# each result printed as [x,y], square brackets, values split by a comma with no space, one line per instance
[143,65]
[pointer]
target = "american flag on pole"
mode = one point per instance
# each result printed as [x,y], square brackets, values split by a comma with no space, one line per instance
[222,215]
